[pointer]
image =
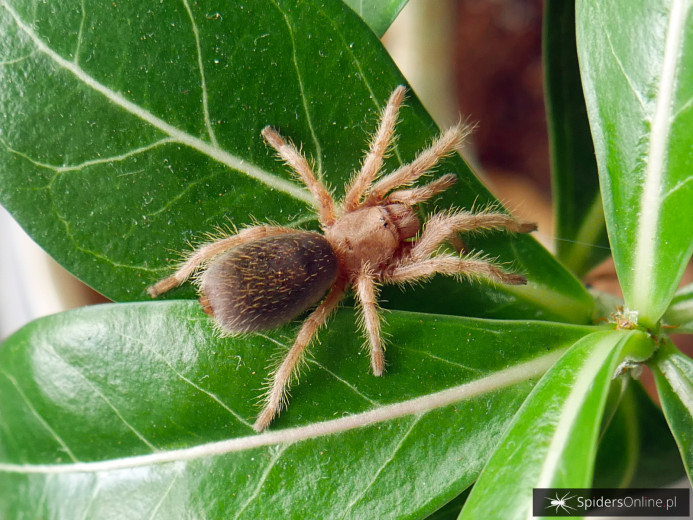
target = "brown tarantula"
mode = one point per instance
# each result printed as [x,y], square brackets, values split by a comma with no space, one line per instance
[264,276]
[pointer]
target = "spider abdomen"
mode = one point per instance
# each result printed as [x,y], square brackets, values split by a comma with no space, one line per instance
[268,282]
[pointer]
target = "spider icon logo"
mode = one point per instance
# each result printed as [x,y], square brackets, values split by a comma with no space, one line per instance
[560,502]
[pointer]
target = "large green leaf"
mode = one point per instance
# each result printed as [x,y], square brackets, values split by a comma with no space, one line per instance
[673,373]
[636,59]
[137,411]
[581,239]
[552,441]
[129,130]
[378,15]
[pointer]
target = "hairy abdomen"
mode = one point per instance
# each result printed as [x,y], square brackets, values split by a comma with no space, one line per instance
[266,283]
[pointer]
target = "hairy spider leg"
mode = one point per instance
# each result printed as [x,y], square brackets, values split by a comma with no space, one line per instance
[288,152]
[452,265]
[281,378]
[410,172]
[445,226]
[378,148]
[366,293]
[422,193]
[210,250]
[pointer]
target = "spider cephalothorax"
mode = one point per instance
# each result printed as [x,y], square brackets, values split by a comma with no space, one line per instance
[264,276]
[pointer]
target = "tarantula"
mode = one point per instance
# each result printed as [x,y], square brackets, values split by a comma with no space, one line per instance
[264,276]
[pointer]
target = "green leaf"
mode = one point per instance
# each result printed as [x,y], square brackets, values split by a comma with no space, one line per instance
[378,15]
[451,510]
[130,131]
[680,312]
[637,449]
[552,441]
[139,411]
[673,373]
[581,239]
[636,59]
[619,447]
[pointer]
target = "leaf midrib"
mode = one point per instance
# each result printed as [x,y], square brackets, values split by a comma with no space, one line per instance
[417,406]
[565,425]
[652,201]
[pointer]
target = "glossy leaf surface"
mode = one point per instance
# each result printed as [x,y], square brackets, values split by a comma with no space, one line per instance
[378,15]
[552,441]
[636,60]
[673,372]
[131,130]
[581,239]
[132,411]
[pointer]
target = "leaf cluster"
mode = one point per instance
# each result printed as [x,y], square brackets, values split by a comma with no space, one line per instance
[129,130]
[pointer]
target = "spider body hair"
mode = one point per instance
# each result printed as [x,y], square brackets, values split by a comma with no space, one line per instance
[266,275]
[264,284]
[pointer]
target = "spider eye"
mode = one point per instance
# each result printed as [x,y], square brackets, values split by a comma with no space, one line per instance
[385,223]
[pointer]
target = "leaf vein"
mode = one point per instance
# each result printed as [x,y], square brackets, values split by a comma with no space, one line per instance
[80,35]
[362,75]
[178,374]
[261,482]
[96,254]
[325,369]
[651,202]
[105,399]
[92,498]
[631,85]
[437,358]
[678,186]
[40,418]
[517,374]
[90,162]
[688,104]
[203,82]
[155,511]
[400,443]
[216,153]
[301,86]
[13,61]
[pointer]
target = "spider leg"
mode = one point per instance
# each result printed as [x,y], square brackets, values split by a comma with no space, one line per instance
[457,243]
[452,265]
[378,147]
[445,226]
[366,292]
[409,173]
[283,375]
[295,159]
[422,193]
[210,250]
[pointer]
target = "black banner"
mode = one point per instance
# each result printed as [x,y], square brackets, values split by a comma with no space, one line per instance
[611,502]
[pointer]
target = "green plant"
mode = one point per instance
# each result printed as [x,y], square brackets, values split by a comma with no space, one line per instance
[130,129]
